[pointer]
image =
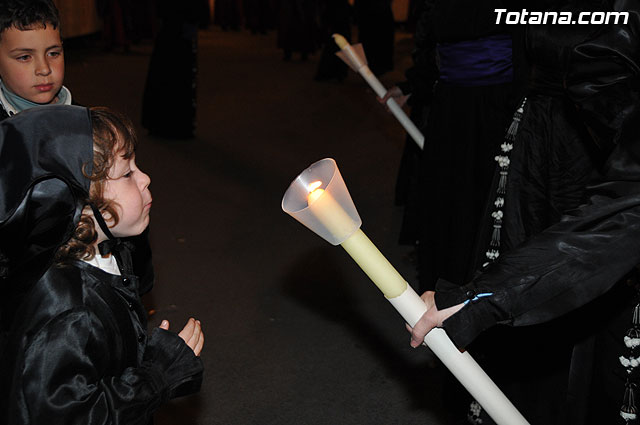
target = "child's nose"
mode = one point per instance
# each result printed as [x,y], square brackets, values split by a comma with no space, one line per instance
[145,180]
[42,67]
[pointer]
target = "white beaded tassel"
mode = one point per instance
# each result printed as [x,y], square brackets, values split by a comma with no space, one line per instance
[503,161]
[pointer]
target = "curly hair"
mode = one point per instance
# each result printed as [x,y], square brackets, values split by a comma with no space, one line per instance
[26,14]
[113,136]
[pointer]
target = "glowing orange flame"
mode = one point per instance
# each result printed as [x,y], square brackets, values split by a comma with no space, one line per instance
[313,186]
[314,191]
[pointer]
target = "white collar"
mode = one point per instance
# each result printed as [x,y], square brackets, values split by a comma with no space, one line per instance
[107,264]
[12,111]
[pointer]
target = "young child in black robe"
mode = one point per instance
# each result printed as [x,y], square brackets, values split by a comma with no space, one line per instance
[73,342]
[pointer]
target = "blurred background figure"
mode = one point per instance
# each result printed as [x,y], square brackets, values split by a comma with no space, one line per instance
[416,91]
[298,28]
[258,15]
[376,30]
[471,102]
[460,88]
[335,18]
[143,20]
[116,16]
[227,14]
[169,100]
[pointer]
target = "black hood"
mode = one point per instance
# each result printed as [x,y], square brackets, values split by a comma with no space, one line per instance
[42,187]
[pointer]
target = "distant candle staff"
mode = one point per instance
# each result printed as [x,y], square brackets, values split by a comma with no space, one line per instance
[319,199]
[355,58]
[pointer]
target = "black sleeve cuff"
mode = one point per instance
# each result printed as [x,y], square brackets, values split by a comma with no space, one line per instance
[480,312]
[180,367]
[449,294]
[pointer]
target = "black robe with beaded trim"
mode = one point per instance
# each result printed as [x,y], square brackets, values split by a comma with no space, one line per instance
[566,277]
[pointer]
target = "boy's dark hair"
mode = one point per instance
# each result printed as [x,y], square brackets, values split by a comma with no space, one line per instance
[25,14]
[113,134]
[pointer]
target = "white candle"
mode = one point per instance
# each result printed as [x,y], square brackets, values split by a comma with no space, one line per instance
[361,249]
[411,308]
[324,208]
[374,264]
[462,365]
[360,66]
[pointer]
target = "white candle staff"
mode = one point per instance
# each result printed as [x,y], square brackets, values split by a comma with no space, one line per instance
[355,58]
[319,199]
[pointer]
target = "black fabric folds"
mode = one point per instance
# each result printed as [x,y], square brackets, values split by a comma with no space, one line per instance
[42,190]
[78,354]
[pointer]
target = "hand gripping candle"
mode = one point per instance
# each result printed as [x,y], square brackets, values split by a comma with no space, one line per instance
[319,199]
[358,63]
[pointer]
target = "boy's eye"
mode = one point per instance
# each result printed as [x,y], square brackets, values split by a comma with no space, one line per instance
[23,58]
[55,54]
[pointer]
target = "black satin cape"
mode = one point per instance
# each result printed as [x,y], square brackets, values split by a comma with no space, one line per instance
[42,188]
[74,346]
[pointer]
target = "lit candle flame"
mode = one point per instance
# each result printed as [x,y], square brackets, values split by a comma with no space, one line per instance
[313,186]
[314,191]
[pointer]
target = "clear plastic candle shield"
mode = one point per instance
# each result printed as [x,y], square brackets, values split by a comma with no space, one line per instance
[319,199]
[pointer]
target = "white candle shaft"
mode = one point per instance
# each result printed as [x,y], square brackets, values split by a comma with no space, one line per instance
[381,91]
[461,365]
[353,57]
[406,122]
[372,80]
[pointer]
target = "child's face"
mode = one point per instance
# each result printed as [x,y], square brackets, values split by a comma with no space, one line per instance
[128,187]
[32,63]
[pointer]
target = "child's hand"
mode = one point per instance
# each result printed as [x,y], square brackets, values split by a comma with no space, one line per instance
[191,334]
